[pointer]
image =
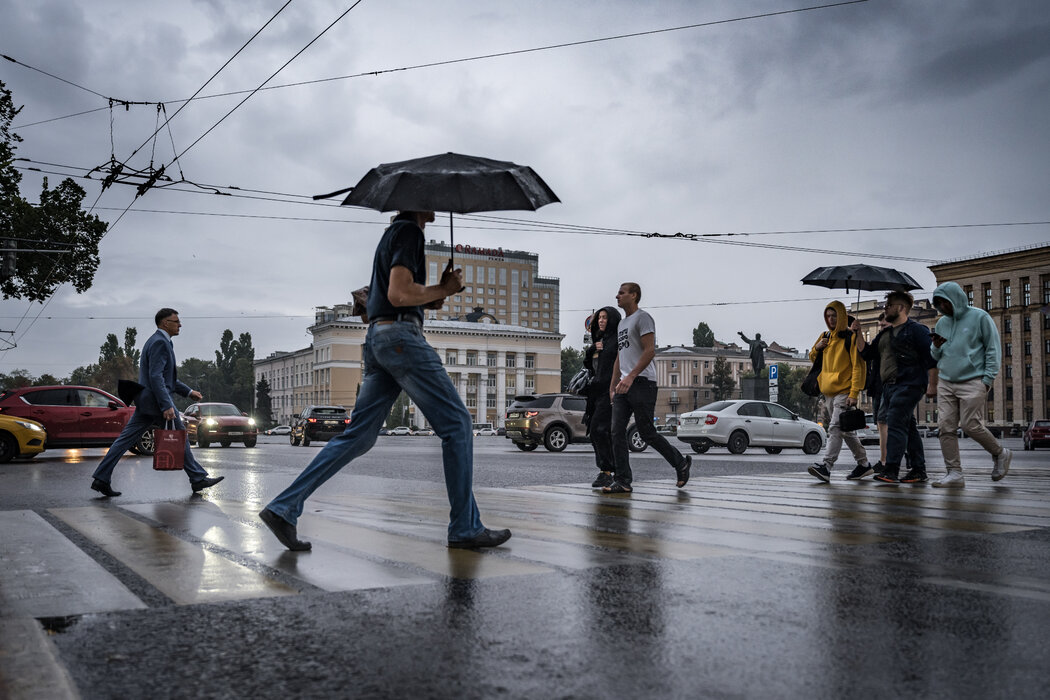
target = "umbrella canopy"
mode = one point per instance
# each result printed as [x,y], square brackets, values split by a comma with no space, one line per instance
[451,182]
[866,277]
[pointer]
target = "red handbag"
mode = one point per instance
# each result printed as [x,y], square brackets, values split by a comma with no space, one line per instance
[169,448]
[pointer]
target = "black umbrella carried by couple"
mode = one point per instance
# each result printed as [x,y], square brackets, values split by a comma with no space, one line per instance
[866,277]
[451,182]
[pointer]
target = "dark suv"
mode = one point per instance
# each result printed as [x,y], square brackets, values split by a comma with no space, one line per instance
[318,423]
[554,420]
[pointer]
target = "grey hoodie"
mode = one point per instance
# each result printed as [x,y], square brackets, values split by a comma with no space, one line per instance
[971,349]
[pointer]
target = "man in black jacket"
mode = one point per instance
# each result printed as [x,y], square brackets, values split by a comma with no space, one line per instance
[900,353]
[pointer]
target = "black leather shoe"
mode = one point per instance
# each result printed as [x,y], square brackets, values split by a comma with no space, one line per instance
[683,471]
[205,483]
[487,538]
[284,531]
[104,488]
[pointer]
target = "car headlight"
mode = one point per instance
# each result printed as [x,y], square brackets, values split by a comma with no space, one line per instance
[29,426]
[251,421]
[210,422]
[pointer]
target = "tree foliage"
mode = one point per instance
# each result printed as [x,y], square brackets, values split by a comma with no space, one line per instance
[722,379]
[703,336]
[571,361]
[263,404]
[790,393]
[57,222]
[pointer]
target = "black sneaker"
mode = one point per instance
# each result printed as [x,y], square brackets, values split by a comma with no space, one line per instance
[878,467]
[888,476]
[820,470]
[915,476]
[604,479]
[860,472]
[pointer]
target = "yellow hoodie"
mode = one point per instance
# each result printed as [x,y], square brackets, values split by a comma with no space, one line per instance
[842,371]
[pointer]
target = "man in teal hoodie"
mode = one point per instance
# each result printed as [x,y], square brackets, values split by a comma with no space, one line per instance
[966,348]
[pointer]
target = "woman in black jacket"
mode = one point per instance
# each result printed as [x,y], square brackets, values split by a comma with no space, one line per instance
[600,358]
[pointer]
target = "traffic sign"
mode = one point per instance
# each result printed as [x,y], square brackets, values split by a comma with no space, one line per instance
[774,373]
[773,394]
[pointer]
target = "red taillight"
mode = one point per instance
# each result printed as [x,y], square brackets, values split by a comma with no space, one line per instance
[711,419]
[311,420]
[531,414]
[347,421]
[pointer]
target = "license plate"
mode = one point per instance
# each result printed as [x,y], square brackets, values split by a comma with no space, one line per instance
[234,434]
[331,422]
[513,414]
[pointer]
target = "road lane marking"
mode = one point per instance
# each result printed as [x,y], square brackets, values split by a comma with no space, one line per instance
[187,573]
[43,574]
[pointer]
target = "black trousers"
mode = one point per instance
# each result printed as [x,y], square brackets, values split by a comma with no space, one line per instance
[601,433]
[639,401]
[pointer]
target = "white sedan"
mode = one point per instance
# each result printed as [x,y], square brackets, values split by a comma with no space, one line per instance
[742,423]
[400,430]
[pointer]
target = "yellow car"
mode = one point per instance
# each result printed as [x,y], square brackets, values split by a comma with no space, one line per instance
[20,437]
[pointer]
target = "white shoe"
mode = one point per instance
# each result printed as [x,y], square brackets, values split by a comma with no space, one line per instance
[953,479]
[1002,464]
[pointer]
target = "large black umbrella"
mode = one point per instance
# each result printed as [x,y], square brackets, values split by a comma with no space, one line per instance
[451,182]
[866,277]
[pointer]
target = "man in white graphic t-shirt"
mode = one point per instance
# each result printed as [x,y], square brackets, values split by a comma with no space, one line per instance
[633,391]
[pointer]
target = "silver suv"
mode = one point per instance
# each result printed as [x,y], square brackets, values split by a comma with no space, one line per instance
[554,420]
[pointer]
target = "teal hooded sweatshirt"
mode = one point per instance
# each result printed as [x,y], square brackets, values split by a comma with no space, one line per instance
[971,347]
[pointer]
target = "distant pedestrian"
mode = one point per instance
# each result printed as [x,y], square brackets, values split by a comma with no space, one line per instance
[396,359]
[873,388]
[900,357]
[158,378]
[966,348]
[633,391]
[841,380]
[600,358]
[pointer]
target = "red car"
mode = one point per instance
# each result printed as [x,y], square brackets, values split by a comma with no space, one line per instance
[74,416]
[223,423]
[1037,435]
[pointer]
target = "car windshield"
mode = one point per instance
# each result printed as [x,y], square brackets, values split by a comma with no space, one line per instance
[222,409]
[1042,424]
[328,412]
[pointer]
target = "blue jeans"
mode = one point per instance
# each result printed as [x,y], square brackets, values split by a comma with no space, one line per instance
[139,423]
[397,358]
[640,400]
[902,434]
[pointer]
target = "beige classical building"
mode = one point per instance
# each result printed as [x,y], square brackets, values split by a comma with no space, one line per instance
[488,362]
[1014,287]
[505,284]
[683,374]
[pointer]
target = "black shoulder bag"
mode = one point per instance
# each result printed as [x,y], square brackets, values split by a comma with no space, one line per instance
[811,384]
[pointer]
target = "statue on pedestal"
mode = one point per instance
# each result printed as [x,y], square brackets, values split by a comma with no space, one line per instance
[756,349]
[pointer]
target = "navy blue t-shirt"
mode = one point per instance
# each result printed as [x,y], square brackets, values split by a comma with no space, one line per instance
[402,244]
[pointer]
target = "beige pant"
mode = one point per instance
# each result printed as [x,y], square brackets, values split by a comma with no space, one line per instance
[837,404]
[961,404]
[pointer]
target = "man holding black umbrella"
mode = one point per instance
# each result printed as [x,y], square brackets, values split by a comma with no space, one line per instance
[396,358]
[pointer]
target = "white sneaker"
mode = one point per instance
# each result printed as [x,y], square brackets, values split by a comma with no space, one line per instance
[953,479]
[1002,464]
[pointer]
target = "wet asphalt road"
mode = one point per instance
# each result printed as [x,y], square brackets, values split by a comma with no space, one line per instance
[754,581]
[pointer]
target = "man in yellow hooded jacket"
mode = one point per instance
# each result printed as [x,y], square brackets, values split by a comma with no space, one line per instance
[842,377]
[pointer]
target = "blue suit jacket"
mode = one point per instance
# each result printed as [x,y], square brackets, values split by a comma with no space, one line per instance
[158,376]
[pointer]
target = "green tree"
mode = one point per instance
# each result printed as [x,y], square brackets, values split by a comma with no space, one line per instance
[203,376]
[790,393]
[56,223]
[16,380]
[703,336]
[263,404]
[234,361]
[722,379]
[398,412]
[571,361]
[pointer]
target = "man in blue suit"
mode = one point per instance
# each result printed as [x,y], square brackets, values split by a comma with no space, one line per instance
[154,406]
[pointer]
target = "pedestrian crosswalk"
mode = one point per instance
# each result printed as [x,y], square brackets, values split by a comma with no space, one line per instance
[99,557]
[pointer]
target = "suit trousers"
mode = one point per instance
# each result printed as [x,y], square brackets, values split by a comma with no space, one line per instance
[139,423]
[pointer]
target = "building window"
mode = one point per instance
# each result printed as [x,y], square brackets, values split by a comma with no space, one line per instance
[491,381]
[987,297]
[1028,371]
[1008,325]
[530,362]
[1028,393]
[1046,290]
[696,379]
[696,364]
[472,358]
[1009,371]
[674,364]
[490,401]
[1008,297]
[674,380]
[1027,323]
[490,359]
[1009,393]
[1008,349]
[1028,347]
[512,360]
[1026,292]
[969,295]
[450,357]
[472,401]
[530,383]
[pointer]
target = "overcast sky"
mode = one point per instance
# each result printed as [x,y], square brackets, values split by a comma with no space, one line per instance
[878,114]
